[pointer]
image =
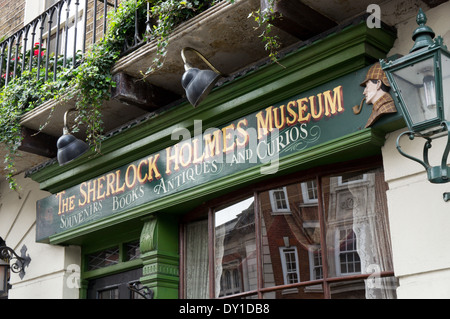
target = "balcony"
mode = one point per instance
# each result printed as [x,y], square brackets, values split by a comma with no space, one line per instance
[223,33]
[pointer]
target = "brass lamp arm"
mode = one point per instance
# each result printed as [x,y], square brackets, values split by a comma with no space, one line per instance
[187,66]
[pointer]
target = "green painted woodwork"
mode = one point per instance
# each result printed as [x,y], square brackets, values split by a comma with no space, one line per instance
[306,68]
[329,58]
[310,66]
[159,254]
[148,240]
[353,146]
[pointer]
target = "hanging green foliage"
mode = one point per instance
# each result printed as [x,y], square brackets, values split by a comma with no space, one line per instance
[90,83]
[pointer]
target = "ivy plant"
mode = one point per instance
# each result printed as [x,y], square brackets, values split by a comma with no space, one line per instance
[92,80]
[263,18]
[22,94]
[90,83]
[167,15]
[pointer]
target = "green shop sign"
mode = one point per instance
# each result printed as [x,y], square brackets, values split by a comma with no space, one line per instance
[260,139]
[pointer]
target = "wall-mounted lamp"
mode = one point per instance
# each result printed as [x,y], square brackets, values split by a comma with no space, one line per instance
[198,83]
[69,147]
[10,260]
[418,80]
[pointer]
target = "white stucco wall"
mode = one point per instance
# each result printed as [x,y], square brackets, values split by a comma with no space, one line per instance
[49,273]
[419,217]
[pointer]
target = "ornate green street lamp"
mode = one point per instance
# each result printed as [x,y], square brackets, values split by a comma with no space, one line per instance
[421,85]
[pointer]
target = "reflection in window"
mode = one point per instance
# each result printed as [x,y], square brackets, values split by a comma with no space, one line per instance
[112,256]
[357,235]
[230,282]
[289,262]
[104,258]
[235,249]
[336,228]
[348,258]
[287,240]
[279,201]
[110,293]
[309,192]
[133,250]
[315,261]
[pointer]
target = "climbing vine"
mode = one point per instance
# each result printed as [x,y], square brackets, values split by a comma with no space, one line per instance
[22,94]
[90,82]
[264,18]
[167,15]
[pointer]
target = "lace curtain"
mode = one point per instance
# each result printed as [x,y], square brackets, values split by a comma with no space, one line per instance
[197,279]
[359,205]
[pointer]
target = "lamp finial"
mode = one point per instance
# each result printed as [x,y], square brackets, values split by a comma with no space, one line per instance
[423,35]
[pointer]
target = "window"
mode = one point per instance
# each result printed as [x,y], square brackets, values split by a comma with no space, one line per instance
[70,29]
[348,260]
[112,256]
[235,248]
[115,286]
[326,247]
[109,293]
[309,192]
[103,258]
[289,261]
[315,261]
[49,3]
[110,271]
[230,282]
[278,200]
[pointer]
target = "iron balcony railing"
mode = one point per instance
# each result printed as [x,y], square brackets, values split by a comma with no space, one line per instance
[59,37]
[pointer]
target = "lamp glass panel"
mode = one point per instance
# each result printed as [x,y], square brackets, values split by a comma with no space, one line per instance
[3,276]
[417,87]
[445,63]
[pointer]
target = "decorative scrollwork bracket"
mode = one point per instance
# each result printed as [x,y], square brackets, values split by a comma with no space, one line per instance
[17,263]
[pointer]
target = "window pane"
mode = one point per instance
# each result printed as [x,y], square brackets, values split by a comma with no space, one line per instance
[111,293]
[235,249]
[374,287]
[413,88]
[280,199]
[103,258]
[291,243]
[133,250]
[197,279]
[357,233]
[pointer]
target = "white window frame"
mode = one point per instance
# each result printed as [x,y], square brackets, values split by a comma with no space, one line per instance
[33,8]
[283,251]
[273,201]
[338,252]
[362,179]
[305,192]
[314,250]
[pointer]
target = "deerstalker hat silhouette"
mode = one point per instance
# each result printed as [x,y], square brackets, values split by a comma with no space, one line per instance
[376,73]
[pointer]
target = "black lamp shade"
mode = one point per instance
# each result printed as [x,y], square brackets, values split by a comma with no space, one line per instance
[69,148]
[198,84]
